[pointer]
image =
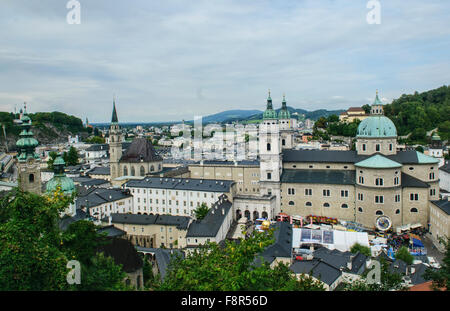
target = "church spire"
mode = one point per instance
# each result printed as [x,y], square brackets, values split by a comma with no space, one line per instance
[114,113]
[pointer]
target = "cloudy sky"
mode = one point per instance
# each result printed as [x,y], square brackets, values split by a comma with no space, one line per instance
[171,59]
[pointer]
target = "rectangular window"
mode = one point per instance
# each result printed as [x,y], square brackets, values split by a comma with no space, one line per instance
[344,193]
[377,147]
[326,193]
[308,191]
[379,199]
[360,197]
[269,175]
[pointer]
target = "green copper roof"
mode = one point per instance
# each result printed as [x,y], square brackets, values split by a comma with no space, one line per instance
[284,112]
[60,179]
[26,143]
[376,126]
[377,101]
[378,161]
[269,113]
[66,184]
[422,158]
[436,136]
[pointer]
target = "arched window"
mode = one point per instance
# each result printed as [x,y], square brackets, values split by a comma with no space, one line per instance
[414,210]
[133,173]
[308,204]
[125,171]
[31,178]
[159,167]
[152,168]
[283,142]
[397,211]
[291,203]
[268,146]
[360,209]
[142,171]
[379,212]
[344,206]
[326,204]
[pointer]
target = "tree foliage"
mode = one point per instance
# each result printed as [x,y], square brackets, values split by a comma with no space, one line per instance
[233,268]
[361,248]
[421,112]
[34,252]
[201,211]
[404,254]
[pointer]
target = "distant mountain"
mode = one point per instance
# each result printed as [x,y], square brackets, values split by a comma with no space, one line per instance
[230,115]
[298,113]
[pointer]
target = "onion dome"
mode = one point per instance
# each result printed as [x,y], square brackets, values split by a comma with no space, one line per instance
[26,143]
[284,112]
[59,178]
[269,113]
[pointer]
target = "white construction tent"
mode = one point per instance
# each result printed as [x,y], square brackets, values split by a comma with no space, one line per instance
[332,239]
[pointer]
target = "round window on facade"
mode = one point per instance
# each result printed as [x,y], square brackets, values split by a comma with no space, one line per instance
[308,204]
[414,210]
[397,211]
[379,213]
[291,203]
[326,205]
[344,206]
[360,209]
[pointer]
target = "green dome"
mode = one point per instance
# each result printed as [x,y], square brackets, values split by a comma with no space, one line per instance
[27,142]
[66,184]
[284,112]
[269,113]
[376,127]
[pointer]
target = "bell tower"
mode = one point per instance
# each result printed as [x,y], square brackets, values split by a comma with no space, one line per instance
[270,154]
[115,145]
[28,161]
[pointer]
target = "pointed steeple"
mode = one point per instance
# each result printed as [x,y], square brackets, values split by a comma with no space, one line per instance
[114,113]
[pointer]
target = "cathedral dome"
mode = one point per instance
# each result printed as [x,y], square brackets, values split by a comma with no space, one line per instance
[60,179]
[376,127]
[66,184]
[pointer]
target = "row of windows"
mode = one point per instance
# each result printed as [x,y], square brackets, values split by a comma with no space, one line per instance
[169,192]
[379,199]
[397,211]
[377,147]
[292,203]
[379,181]
[141,170]
[325,192]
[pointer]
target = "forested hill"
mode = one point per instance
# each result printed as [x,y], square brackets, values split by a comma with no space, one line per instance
[421,112]
[48,127]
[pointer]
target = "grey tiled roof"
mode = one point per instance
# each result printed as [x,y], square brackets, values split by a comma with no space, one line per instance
[140,150]
[210,225]
[98,147]
[99,170]
[93,182]
[338,177]
[318,269]
[334,257]
[282,247]
[444,205]
[98,196]
[207,185]
[445,167]
[409,181]
[112,231]
[339,156]
[181,222]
